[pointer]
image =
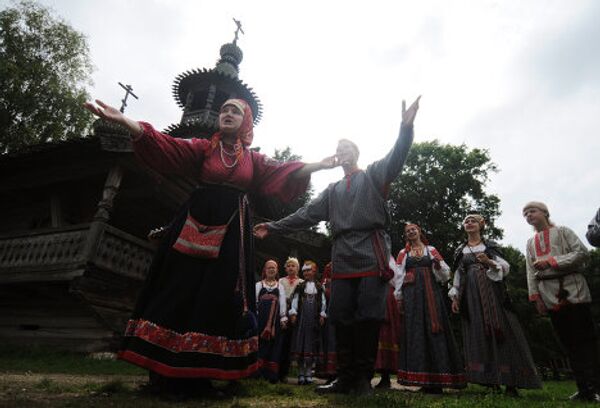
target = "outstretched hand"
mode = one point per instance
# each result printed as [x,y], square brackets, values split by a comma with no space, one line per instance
[105,111]
[261,230]
[330,162]
[408,115]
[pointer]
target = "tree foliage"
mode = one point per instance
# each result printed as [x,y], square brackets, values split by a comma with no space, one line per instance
[44,68]
[438,186]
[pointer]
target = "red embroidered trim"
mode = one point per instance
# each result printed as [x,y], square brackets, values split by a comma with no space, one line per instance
[534,297]
[355,275]
[203,241]
[552,261]
[268,365]
[190,341]
[401,256]
[538,248]
[186,372]
[431,378]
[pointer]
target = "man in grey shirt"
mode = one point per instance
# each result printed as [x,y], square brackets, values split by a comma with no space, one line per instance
[357,212]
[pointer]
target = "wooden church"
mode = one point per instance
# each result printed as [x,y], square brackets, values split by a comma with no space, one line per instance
[74,216]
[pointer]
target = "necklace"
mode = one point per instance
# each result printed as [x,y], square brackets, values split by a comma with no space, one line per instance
[270,284]
[417,252]
[474,245]
[236,149]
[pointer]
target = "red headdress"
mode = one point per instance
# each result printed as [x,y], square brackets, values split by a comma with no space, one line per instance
[245,134]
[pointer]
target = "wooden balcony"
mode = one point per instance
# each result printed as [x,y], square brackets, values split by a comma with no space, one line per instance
[62,254]
[70,288]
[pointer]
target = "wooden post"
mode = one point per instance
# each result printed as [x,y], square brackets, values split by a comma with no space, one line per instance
[55,211]
[105,206]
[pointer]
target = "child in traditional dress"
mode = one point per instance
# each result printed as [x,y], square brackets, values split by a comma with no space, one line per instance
[289,283]
[272,318]
[308,315]
[554,260]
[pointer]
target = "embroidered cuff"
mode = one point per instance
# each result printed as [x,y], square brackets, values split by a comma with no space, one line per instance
[552,262]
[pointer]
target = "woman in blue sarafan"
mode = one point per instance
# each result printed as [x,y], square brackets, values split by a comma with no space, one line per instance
[496,350]
[272,318]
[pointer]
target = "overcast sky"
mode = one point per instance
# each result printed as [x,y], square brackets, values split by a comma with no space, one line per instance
[521,79]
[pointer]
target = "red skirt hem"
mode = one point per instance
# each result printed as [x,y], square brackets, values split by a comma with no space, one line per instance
[186,372]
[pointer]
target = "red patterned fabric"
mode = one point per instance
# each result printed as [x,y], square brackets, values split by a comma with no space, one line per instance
[199,240]
[195,158]
[186,372]
[408,377]
[191,341]
[388,349]
[547,246]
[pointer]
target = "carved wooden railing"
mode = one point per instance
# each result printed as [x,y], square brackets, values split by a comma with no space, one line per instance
[65,253]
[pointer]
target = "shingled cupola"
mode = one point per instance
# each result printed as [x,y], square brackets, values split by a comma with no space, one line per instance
[201,92]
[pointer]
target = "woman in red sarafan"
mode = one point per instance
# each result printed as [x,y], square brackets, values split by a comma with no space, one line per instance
[195,316]
[428,354]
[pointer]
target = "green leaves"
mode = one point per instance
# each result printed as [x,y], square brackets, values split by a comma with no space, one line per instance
[438,186]
[44,68]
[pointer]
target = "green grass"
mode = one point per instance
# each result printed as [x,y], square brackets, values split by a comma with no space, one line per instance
[40,360]
[50,379]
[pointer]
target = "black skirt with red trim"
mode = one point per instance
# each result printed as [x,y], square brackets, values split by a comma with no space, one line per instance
[190,320]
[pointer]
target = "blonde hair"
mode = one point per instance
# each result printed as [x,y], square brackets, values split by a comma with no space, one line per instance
[292,260]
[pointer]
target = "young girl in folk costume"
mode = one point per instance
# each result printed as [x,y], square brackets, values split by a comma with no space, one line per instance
[327,366]
[496,350]
[272,318]
[429,356]
[308,315]
[289,283]
[193,318]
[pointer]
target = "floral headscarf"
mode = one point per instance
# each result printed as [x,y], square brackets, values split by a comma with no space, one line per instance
[245,133]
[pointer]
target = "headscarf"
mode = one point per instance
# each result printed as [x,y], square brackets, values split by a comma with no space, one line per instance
[310,265]
[245,133]
[539,205]
[478,218]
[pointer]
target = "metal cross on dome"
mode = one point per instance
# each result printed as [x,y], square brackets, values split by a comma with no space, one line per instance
[238,23]
[128,91]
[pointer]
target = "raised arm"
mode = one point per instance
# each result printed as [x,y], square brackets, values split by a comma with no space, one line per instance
[158,151]
[114,115]
[384,171]
[327,163]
